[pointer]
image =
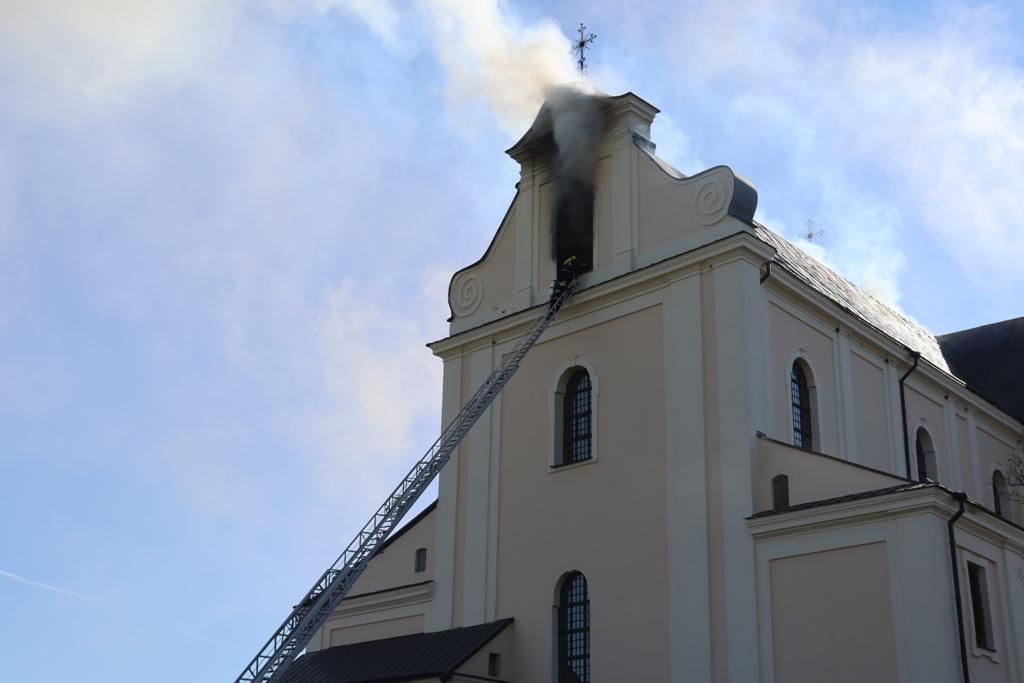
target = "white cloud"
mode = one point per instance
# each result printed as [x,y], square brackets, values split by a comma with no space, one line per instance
[68,55]
[380,16]
[958,143]
[928,118]
[212,197]
[674,145]
[379,381]
[859,231]
[65,60]
[62,54]
[10,236]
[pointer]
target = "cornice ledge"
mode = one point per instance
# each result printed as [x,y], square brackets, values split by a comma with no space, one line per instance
[931,499]
[386,599]
[982,522]
[740,245]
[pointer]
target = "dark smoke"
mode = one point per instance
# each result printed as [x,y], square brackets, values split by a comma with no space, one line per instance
[577,120]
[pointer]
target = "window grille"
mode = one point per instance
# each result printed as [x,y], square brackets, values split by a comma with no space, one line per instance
[801,400]
[574,630]
[576,412]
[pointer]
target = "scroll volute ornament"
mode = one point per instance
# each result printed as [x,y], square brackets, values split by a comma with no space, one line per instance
[710,203]
[467,292]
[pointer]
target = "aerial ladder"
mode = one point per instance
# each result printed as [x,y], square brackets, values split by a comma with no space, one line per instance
[290,639]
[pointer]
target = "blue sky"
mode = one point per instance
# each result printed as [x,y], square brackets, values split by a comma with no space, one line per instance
[226,230]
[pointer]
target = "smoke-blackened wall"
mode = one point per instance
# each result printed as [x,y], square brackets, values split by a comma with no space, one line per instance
[577,119]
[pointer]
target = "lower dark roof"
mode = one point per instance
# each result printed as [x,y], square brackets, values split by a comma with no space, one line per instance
[990,361]
[420,655]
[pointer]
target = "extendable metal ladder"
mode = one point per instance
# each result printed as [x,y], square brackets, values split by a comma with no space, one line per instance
[274,658]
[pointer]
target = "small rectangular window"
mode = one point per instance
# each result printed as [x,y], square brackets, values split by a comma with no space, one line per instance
[980,608]
[494,664]
[780,492]
[421,560]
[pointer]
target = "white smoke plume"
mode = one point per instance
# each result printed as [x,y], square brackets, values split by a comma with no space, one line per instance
[489,53]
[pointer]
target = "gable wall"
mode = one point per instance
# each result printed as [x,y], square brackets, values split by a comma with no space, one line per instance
[517,525]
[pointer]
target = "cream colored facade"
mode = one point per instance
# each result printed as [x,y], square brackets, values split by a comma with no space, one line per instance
[689,336]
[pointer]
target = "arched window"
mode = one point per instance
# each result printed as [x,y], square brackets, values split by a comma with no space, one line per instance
[576,415]
[574,630]
[1000,499]
[780,492]
[927,466]
[800,396]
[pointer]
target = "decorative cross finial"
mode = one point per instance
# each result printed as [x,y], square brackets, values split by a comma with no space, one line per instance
[581,46]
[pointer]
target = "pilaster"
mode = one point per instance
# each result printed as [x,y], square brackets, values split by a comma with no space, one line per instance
[439,613]
[740,357]
[953,444]
[624,203]
[972,438]
[524,233]
[477,448]
[894,415]
[847,417]
[689,610]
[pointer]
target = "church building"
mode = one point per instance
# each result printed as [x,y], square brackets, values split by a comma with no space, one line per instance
[722,462]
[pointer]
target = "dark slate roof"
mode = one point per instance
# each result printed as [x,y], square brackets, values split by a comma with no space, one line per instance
[852,298]
[421,655]
[874,493]
[990,361]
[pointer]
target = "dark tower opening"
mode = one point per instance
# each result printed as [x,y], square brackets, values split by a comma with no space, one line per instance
[574,228]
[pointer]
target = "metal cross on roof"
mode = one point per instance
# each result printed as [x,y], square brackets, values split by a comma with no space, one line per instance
[581,46]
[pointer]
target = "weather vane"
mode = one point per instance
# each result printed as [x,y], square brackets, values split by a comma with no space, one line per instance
[581,46]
